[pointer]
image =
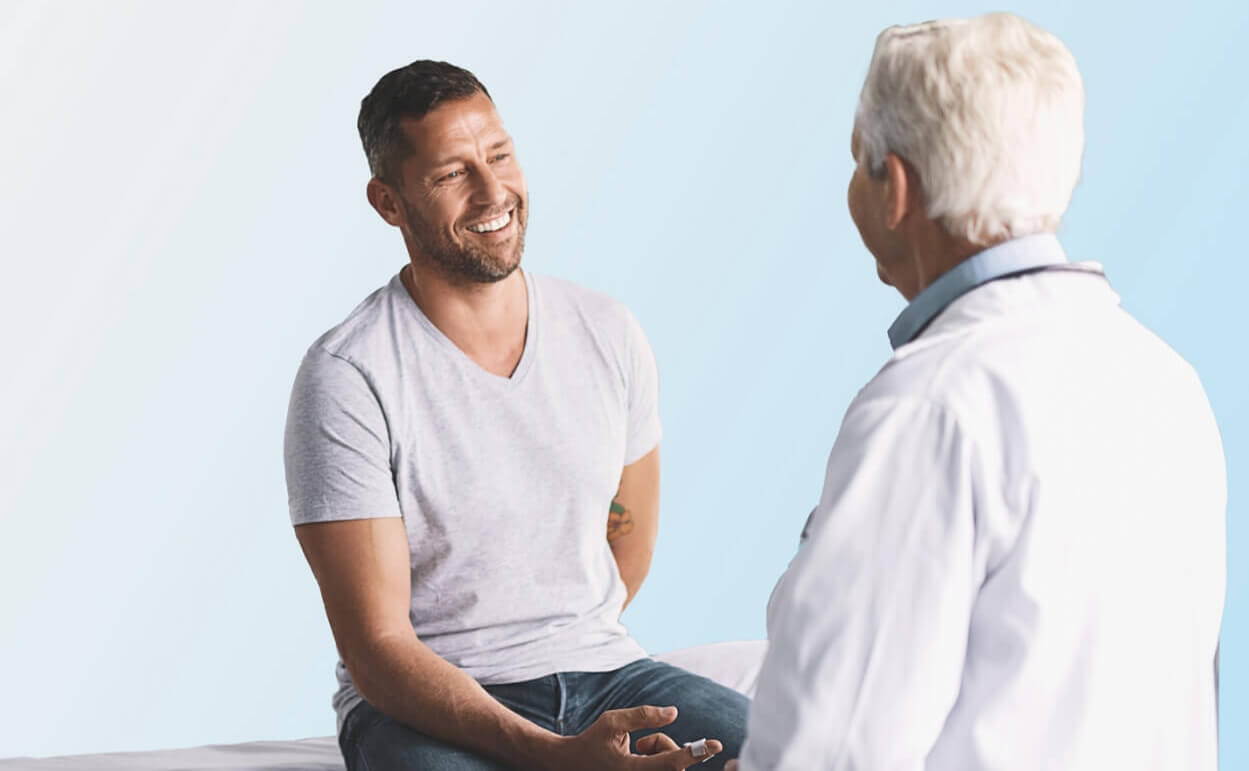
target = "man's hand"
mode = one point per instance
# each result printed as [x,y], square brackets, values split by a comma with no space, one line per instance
[731,765]
[605,744]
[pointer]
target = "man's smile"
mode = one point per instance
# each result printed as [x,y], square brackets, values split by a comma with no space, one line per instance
[492,226]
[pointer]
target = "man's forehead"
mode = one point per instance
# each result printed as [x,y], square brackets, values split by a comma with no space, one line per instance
[454,124]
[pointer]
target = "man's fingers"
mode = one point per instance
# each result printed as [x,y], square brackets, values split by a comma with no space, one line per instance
[682,757]
[653,744]
[731,765]
[703,750]
[637,718]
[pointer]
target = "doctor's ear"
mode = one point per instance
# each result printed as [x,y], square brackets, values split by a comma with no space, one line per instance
[901,191]
[385,200]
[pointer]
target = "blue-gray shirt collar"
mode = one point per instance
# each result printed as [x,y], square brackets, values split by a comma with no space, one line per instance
[1014,256]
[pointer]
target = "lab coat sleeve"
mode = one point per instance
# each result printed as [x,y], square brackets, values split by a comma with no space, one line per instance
[868,626]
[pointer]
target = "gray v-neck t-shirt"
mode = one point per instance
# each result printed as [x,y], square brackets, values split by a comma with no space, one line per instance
[503,484]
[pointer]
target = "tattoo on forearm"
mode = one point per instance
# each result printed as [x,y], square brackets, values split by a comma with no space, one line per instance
[619,521]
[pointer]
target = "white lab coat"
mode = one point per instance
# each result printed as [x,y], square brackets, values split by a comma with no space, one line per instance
[1018,559]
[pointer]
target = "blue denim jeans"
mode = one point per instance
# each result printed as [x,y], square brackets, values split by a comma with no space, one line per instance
[566,703]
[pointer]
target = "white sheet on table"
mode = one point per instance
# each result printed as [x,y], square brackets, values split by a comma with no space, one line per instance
[733,664]
[320,754]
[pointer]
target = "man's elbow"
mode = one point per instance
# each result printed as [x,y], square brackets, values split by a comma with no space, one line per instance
[370,660]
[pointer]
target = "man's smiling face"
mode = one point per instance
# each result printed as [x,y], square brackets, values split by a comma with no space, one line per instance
[464,197]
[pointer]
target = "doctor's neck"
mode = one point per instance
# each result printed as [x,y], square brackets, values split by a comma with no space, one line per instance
[930,252]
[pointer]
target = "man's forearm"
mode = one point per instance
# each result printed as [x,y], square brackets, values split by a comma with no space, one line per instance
[411,684]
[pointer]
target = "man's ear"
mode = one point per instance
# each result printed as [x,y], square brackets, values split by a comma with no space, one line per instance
[901,191]
[385,200]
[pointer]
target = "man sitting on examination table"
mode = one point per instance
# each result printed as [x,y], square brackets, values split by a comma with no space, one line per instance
[473,467]
[1017,561]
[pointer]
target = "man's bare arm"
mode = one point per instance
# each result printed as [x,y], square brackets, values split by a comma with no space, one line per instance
[362,569]
[633,521]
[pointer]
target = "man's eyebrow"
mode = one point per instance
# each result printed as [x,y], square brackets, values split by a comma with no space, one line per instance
[447,160]
[501,143]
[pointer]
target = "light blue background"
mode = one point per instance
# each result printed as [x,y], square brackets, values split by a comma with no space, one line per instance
[182,212]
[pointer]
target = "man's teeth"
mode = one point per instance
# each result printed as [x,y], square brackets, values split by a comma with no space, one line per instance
[492,225]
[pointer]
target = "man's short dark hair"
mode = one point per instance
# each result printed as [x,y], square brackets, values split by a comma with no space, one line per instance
[408,92]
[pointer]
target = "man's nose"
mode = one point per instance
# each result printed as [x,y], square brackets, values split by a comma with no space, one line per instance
[489,191]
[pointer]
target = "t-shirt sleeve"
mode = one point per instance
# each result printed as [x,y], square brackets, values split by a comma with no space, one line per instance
[337,447]
[644,427]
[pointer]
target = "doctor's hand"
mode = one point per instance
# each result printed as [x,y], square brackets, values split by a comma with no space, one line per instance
[605,744]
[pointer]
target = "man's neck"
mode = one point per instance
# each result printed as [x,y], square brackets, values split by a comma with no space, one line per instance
[486,321]
[935,253]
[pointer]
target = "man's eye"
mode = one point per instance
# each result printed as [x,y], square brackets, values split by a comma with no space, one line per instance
[454,175]
[501,157]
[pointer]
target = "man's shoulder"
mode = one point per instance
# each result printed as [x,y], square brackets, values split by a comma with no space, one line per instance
[1006,365]
[368,328]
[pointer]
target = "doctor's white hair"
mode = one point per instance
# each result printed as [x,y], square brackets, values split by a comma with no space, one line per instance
[988,111]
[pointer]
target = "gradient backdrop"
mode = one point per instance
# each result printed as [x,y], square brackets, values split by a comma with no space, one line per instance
[182,212]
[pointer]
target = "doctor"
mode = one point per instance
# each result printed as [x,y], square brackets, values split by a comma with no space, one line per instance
[1018,557]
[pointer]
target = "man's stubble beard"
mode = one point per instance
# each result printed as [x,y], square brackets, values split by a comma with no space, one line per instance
[464,263]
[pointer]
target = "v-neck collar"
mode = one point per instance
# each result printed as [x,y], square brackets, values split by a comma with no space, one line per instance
[531,333]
